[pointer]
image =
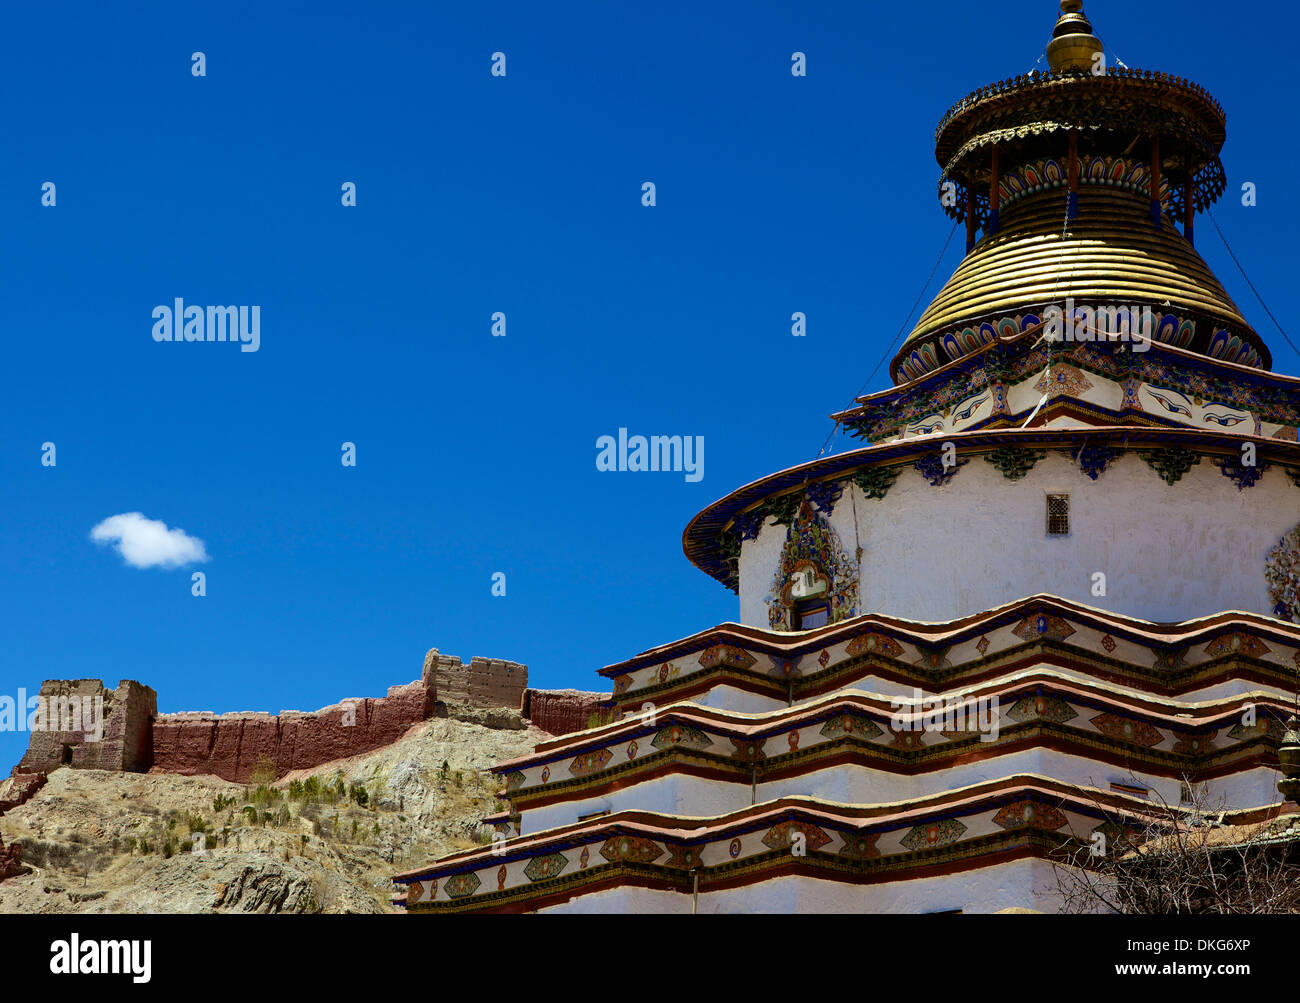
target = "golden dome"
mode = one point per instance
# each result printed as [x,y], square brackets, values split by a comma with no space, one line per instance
[1111,255]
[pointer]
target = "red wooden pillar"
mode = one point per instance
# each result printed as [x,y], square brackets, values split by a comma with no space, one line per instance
[970,218]
[1156,207]
[995,193]
[1073,203]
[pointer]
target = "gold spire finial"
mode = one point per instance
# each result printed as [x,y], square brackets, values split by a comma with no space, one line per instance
[1073,45]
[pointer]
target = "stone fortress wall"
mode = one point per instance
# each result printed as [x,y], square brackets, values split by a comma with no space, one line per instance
[136,738]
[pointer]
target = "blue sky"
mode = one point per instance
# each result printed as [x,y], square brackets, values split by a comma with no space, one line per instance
[476,194]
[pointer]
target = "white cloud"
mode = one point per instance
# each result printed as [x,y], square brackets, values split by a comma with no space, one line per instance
[148,543]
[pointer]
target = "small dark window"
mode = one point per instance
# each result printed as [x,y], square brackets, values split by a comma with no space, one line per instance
[67,754]
[1058,515]
[811,614]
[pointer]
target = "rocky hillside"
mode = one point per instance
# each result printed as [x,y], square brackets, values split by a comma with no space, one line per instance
[324,840]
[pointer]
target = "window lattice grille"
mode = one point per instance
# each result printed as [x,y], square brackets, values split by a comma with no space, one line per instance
[1058,515]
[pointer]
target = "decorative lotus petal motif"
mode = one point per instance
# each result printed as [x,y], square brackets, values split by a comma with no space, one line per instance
[726,654]
[636,849]
[1237,644]
[748,750]
[1126,729]
[546,866]
[681,734]
[874,644]
[781,836]
[461,886]
[933,834]
[1030,815]
[859,846]
[1041,708]
[852,724]
[1043,626]
[590,762]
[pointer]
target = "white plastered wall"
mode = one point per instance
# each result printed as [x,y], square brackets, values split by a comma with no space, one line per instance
[1023,884]
[1169,553]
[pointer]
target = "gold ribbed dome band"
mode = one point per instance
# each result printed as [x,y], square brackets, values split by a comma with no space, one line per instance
[1111,255]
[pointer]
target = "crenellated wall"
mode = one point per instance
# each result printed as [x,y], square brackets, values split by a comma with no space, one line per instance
[235,746]
[136,738]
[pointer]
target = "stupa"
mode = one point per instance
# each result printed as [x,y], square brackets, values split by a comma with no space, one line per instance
[1057,585]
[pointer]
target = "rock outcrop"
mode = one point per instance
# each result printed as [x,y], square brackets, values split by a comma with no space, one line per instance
[11,864]
[21,788]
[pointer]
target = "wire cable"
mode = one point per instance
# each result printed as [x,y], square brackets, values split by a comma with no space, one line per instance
[903,327]
[1249,283]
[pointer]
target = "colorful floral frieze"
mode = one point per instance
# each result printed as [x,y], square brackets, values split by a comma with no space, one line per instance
[782,836]
[851,726]
[1126,174]
[590,762]
[546,866]
[632,849]
[460,886]
[1030,815]
[728,655]
[681,735]
[934,834]
[1042,708]
[1282,572]
[1127,730]
[1043,627]
[1237,644]
[874,644]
